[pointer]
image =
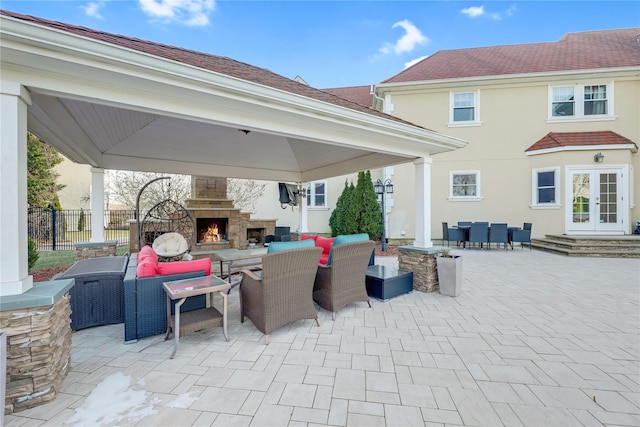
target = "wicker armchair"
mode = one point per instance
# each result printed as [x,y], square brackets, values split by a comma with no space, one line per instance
[344,280]
[282,292]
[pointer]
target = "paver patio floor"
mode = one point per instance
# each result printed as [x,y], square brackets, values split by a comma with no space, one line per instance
[535,339]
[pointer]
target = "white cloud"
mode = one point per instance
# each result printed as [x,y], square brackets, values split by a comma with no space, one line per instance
[413,36]
[193,13]
[414,61]
[475,11]
[93,9]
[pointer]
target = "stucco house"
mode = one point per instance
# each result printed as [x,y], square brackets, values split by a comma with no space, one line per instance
[553,131]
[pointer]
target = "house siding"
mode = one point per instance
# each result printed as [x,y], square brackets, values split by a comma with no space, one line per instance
[513,116]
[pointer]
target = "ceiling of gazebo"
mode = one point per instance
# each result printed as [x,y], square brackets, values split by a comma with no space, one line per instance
[115,107]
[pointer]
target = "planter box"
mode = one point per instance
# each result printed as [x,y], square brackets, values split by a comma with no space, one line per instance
[450,275]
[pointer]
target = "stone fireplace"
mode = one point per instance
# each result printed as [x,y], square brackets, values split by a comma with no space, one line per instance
[219,224]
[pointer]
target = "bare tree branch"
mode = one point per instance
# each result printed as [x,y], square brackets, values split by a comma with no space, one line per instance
[124,187]
[245,193]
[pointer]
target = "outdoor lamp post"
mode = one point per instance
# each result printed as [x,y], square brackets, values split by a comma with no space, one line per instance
[382,188]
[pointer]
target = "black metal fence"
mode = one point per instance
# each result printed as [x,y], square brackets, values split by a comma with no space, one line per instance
[53,229]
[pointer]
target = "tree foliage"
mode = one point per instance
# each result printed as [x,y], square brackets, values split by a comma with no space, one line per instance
[343,219]
[42,189]
[357,209]
[370,215]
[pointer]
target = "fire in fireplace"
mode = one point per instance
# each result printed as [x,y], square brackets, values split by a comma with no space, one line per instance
[212,230]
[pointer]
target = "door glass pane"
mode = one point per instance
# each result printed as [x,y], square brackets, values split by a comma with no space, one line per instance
[608,198]
[581,188]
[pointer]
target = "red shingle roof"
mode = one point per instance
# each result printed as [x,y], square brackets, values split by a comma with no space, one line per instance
[218,64]
[575,51]
[579,139]
[358,94]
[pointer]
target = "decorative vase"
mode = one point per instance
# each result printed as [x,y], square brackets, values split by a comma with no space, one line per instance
[450,275]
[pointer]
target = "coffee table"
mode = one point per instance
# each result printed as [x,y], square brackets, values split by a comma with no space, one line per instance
[385,282]
[195,320]
[238,258]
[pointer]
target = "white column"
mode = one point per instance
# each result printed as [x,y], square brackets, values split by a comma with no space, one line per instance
[97,205]
[423,202]
[303,225]
[14,260]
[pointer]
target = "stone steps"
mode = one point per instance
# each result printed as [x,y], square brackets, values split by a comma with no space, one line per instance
[590,246]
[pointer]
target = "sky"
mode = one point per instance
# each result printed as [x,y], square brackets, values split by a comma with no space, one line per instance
[335,43]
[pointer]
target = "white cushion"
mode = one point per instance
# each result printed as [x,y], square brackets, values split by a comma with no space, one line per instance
[170,245]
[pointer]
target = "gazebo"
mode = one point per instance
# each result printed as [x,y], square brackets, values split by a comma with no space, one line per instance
[115,102]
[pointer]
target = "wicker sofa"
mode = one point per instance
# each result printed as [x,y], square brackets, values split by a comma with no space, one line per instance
[145,301]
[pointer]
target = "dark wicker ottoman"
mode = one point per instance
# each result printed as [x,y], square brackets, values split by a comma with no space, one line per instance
[387,282]
[97,298]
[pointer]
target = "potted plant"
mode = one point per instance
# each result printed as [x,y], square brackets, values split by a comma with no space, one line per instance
[449,272]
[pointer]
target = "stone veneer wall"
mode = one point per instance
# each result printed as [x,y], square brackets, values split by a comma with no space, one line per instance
[38,353]
[87,250]
[423,264]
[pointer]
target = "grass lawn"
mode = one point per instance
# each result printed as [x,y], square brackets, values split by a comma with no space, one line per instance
[48,259]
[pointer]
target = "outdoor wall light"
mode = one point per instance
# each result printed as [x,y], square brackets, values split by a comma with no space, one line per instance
[598,158]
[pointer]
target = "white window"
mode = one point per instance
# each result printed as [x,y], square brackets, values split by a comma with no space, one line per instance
[545,190]
[317,194]
[464,185]
[581,101]
[464,108]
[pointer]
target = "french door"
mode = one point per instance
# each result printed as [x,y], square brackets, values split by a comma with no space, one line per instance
[595,201]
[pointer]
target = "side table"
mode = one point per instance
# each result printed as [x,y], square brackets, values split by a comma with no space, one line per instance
[195,320]
[388,282]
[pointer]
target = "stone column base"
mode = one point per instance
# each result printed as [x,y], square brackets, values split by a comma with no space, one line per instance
[38,353]
[422,262]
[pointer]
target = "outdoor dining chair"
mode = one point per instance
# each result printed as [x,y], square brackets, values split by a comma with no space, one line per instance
[479,233]
[522,236]
[452,234]
[498,234]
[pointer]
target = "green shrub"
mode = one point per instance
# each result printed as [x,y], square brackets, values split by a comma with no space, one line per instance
[357,209]
[369,213]
[33,255]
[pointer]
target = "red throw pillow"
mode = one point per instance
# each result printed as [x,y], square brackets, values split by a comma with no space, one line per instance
[147,252]
[147,268]
[325,243]
[177,267]
[324,258]
[308,236]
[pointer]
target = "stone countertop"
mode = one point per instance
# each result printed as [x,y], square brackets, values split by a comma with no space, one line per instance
[41,294]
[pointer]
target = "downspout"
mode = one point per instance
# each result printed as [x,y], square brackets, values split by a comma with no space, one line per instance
[384,102]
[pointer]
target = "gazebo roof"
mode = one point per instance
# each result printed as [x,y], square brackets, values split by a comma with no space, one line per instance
[117,102]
